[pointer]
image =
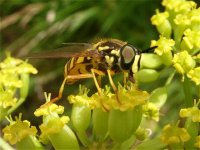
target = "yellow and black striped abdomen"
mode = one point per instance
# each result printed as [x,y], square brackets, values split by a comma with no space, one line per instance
[77,66]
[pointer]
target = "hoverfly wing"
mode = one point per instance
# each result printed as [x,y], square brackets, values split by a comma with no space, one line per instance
[70,50]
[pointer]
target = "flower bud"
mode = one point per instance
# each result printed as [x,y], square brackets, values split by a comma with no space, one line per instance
[121,125]
[162,23]
[158,96]
[155,60]
[80,117]
[29,142]
[65,139]
[100,124]
[183,62]
[147,75]
[167,58]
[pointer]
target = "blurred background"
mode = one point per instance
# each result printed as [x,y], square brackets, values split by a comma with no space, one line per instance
[29,26]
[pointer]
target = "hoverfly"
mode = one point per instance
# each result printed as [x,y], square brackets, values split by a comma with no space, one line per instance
[106,57]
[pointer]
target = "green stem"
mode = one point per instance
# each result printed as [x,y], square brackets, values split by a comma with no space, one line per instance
[4,145]
[169,80]
[23,92]
[187,91]
[192,128]
[83,138]
[198,91]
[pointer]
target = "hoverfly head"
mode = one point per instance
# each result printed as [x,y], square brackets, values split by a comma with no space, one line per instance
[127,56]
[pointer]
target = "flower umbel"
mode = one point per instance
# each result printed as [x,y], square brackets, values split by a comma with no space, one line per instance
[173,134]
[194,75]
[192,112]
[18,130]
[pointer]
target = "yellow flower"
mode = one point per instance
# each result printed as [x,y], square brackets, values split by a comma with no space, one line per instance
[197,144]
[194,15]
[159,17]
[162,23]
[18,130]
[185,6]
[6,98]
[83,99]
[16,66]
[54,125]
[164,45]
[171,4]
[194,75]
[51,109]
[183,62]
[192,112]
[179,5]
[151,111]
[182,19]
[172,134]
[128,98]
[192,38]
[11,69]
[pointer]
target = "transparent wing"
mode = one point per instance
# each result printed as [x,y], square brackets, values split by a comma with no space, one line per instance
[69,50]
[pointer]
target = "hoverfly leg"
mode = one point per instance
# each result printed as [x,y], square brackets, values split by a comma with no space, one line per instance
[99,80]
[100,73]
[125,78]
[59,94]
[60,91]
[113,85]
[96,82]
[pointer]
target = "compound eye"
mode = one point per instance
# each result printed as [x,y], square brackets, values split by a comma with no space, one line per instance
[128,54]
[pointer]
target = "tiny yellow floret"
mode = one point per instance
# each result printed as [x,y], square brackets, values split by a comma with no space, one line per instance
[172,134]
[164,45]
[183,62]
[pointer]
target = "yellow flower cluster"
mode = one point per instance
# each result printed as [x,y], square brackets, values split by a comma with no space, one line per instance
[18,130]
[183,19]
[52,123]
[163,45]
[191,112]
[151,111]
[173,134]
[11,70]
[128,98]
